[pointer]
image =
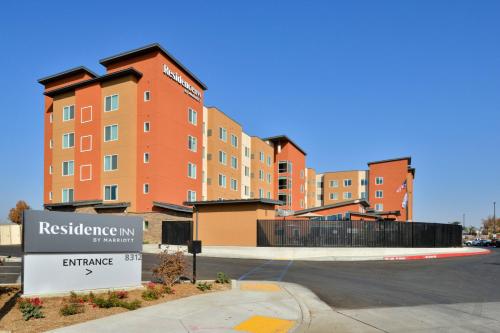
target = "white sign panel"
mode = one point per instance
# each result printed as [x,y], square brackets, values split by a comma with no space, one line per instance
[60,273]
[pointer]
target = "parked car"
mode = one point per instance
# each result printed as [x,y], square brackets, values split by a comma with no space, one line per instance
[485,242]
[468,243]
[496,242]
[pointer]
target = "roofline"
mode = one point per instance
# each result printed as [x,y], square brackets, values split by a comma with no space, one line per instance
[392,160]
[225,114]
[177,208]
[235,201]
[339,204]
[353,170]
[284,137]
[113,205]
[102,78]
[146,49]
[66,73]
[73,204]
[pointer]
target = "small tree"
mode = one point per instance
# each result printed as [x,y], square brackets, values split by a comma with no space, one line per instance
[488,224]
[171,267]
[16,214]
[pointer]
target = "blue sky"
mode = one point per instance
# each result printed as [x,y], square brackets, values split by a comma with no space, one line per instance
[349,81]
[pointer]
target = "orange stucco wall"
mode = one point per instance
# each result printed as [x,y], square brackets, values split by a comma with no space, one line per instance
[231,225]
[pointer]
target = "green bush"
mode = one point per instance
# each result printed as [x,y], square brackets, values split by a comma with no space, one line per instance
[150,294]
[203,286]
[222,278]
[31,308]
[71,309]
[113,301]
[133,305]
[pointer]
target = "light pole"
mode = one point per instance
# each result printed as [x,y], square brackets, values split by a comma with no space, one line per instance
[494,220]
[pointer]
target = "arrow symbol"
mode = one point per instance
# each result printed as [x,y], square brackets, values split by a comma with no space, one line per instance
[88,271]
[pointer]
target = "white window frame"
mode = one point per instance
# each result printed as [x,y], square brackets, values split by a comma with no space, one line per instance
[262,157]
[111,104]
[222,134]
[62,168]
[348,180]
[81,114]
[51,169]
[189,194]
[104,161]
[193,141]
[379,194]
[81,143]
[51,117]
[379,181]
[104,192]
[144,187]
[62,194]
[117,133]
[81,168]
[51,143]
[147,94]
[233,181]
[146,157]
[50,196]
[234,139]
[333,183]
[234,158]
[334,196]
[148,125]
[225,157]
[379,207]
[192,172]
[69,106]
[346,196]
[73,146]
[193,114]
[223,177]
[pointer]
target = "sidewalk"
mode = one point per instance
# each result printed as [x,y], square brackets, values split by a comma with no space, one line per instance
[325,254]
[251,306]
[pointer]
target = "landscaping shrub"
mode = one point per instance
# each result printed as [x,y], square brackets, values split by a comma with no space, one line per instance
[70,309]
[203,286]
[113,301]
[170,268]
[222,278]
[151,293]
[31,308]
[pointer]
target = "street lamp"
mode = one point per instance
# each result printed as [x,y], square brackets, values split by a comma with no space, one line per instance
[494,220]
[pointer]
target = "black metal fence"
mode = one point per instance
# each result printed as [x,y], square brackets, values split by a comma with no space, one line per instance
[305,233]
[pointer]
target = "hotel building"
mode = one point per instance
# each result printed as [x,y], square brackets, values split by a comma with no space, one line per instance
[139,140]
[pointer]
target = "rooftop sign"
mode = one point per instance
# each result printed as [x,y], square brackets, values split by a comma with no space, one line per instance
[188,88]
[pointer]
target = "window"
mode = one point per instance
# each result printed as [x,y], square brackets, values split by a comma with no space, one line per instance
[192,116]
[247,152]
[301,174]
[51,119]
[347,182]
[223,134]
[222,157]
[222,180]
[334,196]
[111,103]
[68,140]
[363,195]
[51,144]
[283,198]
[146,158]
[334,183]
[234,162]
[261,175]
[364,182]
[379,180]
[301,203]
[50,169]
[147,126]
[234,141]
[269,178]
[67,195]
[302,188]
[261,156]
[86,114]
[347,195]
[191,196]
[268,194]
[147,96]
[282,183]
[145,225]
[192,143]
[50,196]
[269,160]
[379,207]
[111,192]
[247,171]
[261,193]
[247,190]
[379,194]
[234,184]
[110,162]
[111,133]
[68,112]
[68,168]
[192,170]
[319,197]
[284,167]
[145,188]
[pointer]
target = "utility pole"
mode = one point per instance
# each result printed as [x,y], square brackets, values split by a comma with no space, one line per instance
[463,220]
[494,220]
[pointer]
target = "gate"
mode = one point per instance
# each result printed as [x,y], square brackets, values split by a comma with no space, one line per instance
[176,232]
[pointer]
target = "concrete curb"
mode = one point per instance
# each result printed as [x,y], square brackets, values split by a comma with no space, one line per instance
[438,256]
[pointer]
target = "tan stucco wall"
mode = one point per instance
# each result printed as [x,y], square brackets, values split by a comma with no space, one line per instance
[231,225]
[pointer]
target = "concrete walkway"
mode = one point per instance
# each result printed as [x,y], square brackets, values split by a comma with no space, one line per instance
[323,254]
[253,306]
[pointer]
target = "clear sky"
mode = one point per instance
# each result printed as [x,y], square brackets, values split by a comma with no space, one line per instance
[349,81]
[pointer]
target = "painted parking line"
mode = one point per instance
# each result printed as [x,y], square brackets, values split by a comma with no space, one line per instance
[272,270]
[244,276]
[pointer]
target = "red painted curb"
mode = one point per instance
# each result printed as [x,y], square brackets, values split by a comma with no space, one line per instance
[437,255]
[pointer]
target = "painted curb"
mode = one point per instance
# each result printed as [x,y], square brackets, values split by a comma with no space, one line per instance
[438,255]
